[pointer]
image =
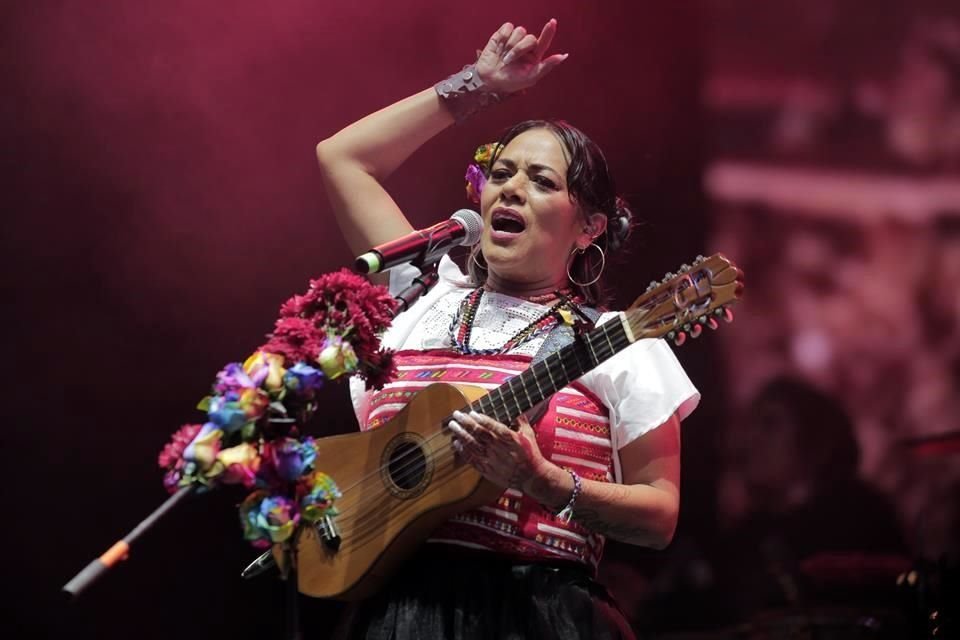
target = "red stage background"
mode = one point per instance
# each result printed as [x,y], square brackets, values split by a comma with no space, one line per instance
[162,200]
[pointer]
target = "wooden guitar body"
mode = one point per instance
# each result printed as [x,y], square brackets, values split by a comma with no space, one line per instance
[388,509]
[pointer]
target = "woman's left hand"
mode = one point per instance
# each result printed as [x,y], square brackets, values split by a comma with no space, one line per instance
[514,60]
[506,457]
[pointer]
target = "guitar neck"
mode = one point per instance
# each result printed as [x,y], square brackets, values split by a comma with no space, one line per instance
[683,302]
[544,378]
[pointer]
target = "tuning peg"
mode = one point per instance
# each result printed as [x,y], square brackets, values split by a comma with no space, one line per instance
[696,330]
[728,314]
[680,338]
[712,323]
[653,285]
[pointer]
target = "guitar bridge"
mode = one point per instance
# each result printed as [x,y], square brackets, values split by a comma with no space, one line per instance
[328,532]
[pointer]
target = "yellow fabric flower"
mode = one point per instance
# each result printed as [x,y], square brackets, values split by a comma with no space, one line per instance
[269,365]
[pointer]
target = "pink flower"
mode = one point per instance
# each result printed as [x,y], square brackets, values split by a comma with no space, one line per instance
[378,369]
[341,304]
[171,457]
[476,179]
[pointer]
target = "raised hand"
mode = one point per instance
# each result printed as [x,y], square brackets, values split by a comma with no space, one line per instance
[513,59]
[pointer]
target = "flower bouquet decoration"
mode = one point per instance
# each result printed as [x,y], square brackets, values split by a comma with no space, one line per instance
[478,170]
[255,411]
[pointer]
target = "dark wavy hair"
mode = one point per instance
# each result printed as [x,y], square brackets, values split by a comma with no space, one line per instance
[593,190]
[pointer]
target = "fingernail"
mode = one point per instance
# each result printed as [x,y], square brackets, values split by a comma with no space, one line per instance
[459,415]
[475,415]
[456,428]
[507,58]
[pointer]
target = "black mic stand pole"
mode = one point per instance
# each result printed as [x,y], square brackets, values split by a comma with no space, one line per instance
[121,549]
[420,285]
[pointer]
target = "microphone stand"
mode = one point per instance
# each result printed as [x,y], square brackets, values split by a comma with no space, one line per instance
[121,549]
[420,285]
[266,560]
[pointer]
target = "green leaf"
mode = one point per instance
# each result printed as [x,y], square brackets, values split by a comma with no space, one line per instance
[249,431]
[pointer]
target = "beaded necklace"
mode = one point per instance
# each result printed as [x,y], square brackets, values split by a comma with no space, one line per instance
[462,325]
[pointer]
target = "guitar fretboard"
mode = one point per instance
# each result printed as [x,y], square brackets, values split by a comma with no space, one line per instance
[544,378]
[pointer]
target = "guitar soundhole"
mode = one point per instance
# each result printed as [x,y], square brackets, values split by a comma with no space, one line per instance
[407,468]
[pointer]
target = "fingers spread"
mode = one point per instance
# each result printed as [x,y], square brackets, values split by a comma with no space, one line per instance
[551,63]
[546,37]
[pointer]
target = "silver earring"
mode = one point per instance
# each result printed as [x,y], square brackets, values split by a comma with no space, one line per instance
[578,251]
[477,262]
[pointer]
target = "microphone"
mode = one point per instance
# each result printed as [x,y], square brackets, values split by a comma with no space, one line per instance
[424,246]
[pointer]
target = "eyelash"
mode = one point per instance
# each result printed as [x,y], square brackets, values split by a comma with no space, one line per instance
[502,175]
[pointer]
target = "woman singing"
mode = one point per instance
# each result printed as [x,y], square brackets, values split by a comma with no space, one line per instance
[602,459]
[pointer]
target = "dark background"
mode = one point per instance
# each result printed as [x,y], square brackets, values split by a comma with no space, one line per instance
[161,200]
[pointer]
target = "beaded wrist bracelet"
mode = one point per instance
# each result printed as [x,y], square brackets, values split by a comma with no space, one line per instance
[566,512]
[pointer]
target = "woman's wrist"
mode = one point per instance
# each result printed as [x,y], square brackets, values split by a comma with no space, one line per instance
[465,93]
[552,487]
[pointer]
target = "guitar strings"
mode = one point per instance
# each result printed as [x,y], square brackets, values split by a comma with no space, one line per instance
[357,530]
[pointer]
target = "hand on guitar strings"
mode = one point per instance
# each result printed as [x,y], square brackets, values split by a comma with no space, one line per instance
[507,457]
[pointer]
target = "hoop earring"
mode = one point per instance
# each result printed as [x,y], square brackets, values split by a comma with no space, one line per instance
[477,262]
[579,252]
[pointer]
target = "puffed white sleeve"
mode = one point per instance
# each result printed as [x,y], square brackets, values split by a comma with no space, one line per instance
[642,386]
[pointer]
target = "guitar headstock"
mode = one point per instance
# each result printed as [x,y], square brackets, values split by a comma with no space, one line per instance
[680,305]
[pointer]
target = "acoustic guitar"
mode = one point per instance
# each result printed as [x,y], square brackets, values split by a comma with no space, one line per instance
[402,480]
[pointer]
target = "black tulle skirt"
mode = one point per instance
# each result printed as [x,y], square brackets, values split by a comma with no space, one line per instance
[457,594]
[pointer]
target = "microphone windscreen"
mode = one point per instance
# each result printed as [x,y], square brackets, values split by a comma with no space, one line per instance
[472,223]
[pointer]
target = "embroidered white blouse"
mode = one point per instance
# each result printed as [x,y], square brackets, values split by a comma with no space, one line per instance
[642,385]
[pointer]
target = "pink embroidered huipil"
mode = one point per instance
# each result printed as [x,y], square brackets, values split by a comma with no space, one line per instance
[583,428]
[573,433]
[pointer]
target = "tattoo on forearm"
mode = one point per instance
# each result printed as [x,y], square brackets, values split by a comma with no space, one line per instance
[623,532]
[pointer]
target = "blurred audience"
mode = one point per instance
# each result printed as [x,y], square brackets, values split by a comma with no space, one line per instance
[799,525]
[920,104]
[801,537]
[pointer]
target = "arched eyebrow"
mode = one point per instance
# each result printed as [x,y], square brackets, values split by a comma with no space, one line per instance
[531,168]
